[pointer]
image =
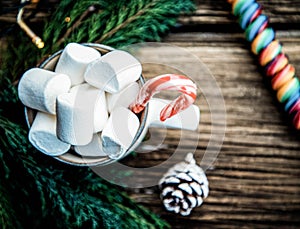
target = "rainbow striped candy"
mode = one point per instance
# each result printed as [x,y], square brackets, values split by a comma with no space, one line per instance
[264,44]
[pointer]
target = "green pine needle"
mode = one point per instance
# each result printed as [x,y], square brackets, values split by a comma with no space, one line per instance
[118,23]
[75,197]
[8,217]
[48,192]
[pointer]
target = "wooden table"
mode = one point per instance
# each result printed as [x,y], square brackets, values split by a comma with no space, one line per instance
[254,182]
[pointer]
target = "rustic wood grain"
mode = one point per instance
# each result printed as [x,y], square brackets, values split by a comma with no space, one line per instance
[214,14]
[209,13]
[254,183]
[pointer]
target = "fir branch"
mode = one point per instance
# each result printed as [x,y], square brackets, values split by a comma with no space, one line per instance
[75,197]
[53,30]
[44,188]
[148,20]
[7,214]
[152,24]
[8,91]
[76,24]
[149,23]
[124,23]
[57,27]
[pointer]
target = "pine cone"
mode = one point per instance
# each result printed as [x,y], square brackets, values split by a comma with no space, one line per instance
[184,186]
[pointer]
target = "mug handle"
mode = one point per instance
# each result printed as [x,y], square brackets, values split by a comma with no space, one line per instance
[187,119]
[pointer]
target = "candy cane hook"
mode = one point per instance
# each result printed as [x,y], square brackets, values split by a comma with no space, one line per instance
[170,82]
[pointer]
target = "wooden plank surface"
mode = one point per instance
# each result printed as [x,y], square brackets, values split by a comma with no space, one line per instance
[254,182]
[282,13]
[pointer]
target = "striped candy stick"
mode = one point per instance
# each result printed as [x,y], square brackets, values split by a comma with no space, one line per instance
[169,82]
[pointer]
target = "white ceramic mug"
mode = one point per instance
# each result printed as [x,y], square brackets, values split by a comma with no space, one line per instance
[187,119]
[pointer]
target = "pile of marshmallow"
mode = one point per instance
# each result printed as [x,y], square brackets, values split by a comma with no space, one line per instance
[83,103]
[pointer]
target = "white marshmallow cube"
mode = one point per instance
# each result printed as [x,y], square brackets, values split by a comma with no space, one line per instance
[74,60]
[80,113]
[42,135]
[113,71]
[123,98]
[119,132]
[39,88]
[93,149]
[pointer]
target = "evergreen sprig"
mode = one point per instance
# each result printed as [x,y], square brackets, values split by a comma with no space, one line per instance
[7,213]
[40,189]
[75,197]
[116,23]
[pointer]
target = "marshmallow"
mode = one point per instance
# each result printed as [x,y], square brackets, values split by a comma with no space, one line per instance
[123,98]
[74,60]
[119,132]
[39,88]
[80,113]
[100,107]
[93,149]
[187,119]
[42,135]
[113,71]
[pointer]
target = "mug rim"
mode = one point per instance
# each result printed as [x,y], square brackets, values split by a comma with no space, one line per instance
[82,160]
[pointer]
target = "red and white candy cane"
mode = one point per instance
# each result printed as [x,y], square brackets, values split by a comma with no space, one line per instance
[170,82]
